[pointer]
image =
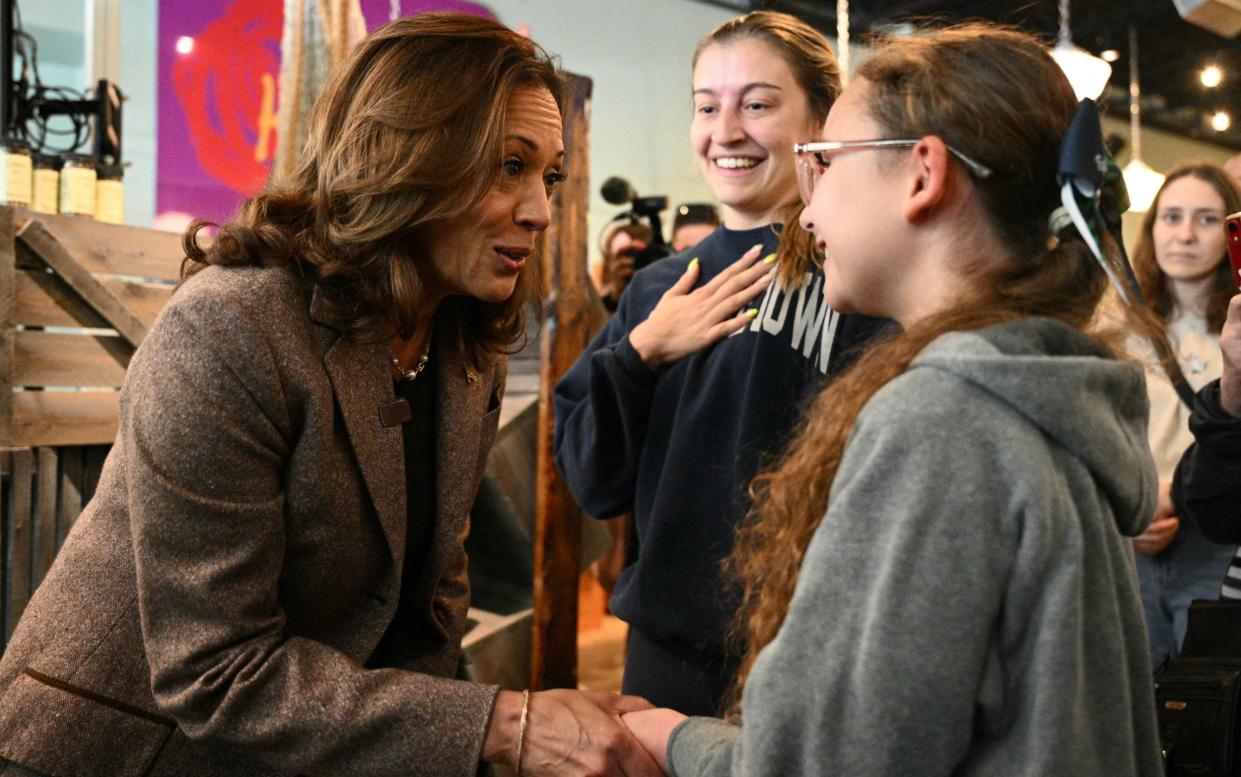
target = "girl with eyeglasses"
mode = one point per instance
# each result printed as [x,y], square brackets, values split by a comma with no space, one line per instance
[938,573]
[699,375]
[1181,262]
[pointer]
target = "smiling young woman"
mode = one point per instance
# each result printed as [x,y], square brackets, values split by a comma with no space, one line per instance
[691,386]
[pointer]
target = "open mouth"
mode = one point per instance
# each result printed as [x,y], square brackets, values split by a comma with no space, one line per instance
[513,259]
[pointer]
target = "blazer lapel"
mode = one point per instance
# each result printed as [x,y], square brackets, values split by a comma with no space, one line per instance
[460,402]
[361,382]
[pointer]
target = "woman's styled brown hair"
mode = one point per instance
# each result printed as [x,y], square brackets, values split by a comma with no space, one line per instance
[1152,280]
[806,52]
[407,132]
[957,84]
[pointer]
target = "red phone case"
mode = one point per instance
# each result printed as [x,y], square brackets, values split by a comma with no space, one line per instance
[1232,227]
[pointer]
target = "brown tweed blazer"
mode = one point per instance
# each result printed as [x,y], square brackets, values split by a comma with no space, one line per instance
[215,606]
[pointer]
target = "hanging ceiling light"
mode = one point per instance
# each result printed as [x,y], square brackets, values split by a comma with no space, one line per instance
[1141,180]
[1087,73]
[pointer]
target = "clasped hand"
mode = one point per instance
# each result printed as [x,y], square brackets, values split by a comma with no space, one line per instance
[568,733]
[687,319]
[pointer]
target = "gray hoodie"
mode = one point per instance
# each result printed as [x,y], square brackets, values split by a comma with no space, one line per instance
[968,605]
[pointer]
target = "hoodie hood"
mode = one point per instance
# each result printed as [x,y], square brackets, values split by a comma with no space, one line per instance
[1072,388]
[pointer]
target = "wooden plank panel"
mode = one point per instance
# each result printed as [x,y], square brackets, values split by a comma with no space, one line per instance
[5,518]
[55,359]
[65,417]
[8,259]
[44,530]
[36,237]
[69,503]
[117,249]
[43,299]
[95,456]
[18,561]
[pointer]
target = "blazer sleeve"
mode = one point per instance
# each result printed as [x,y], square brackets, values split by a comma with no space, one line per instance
[1207,484]
[602,408]
[207,432]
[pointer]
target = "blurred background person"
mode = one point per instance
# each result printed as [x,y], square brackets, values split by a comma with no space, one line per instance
[1181,262]
[693,222]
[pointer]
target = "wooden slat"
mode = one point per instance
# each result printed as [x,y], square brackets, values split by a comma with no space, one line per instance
[94,457]
[6,469]
[8,259]
[115,249]
[56,359]
[36,237]
[43,299]
[65,417]
[18,540]
[558,527]
[69,503]
[44,530]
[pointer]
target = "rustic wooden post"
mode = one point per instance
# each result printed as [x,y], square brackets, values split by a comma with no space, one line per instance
[571,311]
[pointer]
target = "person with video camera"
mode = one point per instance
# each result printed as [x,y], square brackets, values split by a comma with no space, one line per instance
[697,379]
[1207,486]
[618,244]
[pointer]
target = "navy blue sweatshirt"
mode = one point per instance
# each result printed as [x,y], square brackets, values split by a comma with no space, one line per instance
[678,446]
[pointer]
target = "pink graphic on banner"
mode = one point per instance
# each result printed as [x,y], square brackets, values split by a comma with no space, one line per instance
[219,65]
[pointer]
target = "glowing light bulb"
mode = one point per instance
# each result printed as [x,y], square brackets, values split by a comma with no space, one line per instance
[185,45]
[1221,121]
[1109,55]
[1211,76]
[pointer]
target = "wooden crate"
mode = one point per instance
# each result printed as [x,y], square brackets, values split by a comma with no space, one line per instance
[42,491]
[76,298]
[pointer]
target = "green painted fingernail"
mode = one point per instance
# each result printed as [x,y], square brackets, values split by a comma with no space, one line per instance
[692,263]
[769,258]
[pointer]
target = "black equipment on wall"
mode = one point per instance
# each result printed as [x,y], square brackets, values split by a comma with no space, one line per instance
[26,106]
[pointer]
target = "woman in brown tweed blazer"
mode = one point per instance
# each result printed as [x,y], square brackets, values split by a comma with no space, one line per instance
[270,579]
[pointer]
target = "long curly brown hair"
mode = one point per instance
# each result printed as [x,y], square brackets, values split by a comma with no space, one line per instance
[1152,280]
[957,84]
[808,55]
[407,132]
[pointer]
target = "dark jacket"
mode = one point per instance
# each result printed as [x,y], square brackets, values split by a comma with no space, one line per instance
[1207,485]
[214,608]
[678,446]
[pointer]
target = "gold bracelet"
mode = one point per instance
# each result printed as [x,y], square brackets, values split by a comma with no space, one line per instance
[521,730]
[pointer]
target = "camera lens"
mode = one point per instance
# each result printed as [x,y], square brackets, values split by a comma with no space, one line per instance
[1232,226]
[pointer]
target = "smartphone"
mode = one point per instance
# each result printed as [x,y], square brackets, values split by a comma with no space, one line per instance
[1232,227]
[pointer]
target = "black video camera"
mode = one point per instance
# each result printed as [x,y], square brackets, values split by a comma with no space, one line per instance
[618,192]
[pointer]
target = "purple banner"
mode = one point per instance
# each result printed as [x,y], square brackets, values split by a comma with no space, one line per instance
[219,66]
